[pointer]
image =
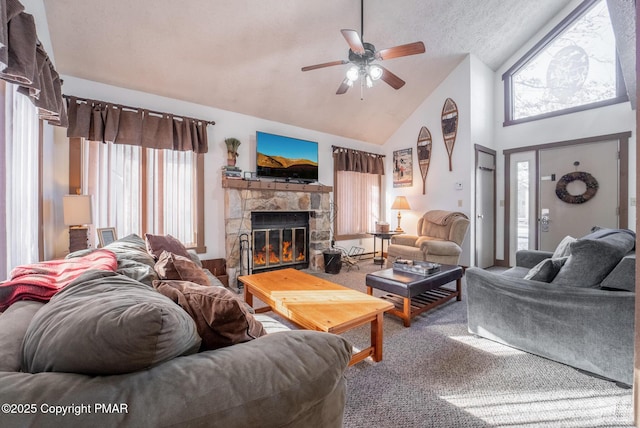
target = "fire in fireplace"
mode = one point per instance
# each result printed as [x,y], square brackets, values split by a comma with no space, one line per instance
[280,239]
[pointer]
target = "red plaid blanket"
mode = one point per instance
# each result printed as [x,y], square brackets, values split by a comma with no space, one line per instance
[40,281]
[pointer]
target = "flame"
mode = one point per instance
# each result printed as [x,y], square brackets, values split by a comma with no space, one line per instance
[260,257]
[287,254]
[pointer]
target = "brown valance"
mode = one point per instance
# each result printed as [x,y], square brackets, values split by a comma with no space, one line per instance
[118,124]
[24,62]
[355,160]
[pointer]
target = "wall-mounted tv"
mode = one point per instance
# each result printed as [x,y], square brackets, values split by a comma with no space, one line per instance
[285,157]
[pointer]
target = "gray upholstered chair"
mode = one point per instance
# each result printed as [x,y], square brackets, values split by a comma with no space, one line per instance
[439,239]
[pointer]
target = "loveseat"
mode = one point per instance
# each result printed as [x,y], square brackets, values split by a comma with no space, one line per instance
[109,350]
[574,305]
[439,238]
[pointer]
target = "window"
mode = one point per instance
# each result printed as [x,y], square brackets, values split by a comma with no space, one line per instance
[20,179]
[357,192]
[575,67]
[357,200]
[141,191]
[523,198]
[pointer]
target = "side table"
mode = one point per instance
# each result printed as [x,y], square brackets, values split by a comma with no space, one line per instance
[383,236]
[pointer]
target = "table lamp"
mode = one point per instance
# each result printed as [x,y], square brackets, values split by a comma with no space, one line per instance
[400,203]
[76,210]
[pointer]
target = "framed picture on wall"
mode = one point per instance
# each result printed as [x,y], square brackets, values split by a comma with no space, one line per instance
[403,168]
[107,235]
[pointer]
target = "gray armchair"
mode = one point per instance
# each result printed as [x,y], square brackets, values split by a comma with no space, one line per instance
[439,239]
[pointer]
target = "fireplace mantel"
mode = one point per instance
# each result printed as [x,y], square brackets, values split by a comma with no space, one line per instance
[282,186]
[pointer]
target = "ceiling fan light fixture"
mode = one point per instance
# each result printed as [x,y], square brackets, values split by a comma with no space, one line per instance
[369,81]
[375,72]
[353,73]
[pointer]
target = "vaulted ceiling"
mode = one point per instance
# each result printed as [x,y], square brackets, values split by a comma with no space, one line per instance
[245,56]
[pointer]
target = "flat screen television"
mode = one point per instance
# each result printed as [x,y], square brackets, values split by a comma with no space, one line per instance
[285,157]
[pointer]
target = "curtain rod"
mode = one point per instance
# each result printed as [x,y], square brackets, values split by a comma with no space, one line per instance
[87,100]
[355,150]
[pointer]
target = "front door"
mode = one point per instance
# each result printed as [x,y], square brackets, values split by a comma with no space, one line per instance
[567,206]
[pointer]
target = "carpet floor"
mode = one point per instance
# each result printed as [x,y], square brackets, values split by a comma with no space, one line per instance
[436,374]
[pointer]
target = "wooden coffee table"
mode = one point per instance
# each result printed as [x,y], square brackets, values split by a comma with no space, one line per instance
[316,304]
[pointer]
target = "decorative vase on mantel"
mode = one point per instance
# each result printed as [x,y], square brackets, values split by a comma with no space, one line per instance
[232,150]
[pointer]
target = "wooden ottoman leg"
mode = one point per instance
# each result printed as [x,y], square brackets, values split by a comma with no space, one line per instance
[406,311]
[369,291]
[459,289]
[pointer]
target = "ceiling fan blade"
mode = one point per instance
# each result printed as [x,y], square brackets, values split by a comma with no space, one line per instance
[391,79]
[344,87]
[402,50]
[325,64]
[355,43]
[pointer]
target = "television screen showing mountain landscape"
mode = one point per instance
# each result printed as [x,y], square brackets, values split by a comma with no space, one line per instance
[284,157]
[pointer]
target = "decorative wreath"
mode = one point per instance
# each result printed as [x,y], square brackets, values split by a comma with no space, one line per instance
[586,178]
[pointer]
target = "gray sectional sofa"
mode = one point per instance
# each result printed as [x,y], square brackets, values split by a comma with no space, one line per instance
[574,306]
[109,350]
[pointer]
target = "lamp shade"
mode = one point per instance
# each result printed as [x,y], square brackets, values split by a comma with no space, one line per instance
[76,210]
[400,203]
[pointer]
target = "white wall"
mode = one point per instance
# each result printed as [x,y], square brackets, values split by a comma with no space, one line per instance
[590,123]
[440,189]
[228,124]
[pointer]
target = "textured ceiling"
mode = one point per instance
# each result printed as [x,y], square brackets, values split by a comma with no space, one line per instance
[245,55]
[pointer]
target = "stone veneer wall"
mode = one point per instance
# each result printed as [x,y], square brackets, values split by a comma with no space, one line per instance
[239,203]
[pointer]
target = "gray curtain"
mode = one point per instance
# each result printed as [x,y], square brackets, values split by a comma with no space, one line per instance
[113,123]
[355,160]
[24,62]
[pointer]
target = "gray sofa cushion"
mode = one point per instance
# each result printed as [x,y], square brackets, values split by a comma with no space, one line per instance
[591,260]
[564,247]
[105,323]
[546,270]
[292,379]
[623,276]
[13,326]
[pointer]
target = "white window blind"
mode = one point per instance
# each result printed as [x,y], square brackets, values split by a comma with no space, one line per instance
[21,181]
[127,181]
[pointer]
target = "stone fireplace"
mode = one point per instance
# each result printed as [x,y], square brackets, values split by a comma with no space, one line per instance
[244,199]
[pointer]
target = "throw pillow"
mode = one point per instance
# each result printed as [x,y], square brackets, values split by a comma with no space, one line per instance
[590,262]
[105,324]
[156,244]
[563,249]
[546,270]
[131,247]
[134,260]
[623,276]
[173,266]
[221,318]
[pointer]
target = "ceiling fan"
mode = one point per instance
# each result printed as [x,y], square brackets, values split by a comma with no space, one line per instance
[362,55]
